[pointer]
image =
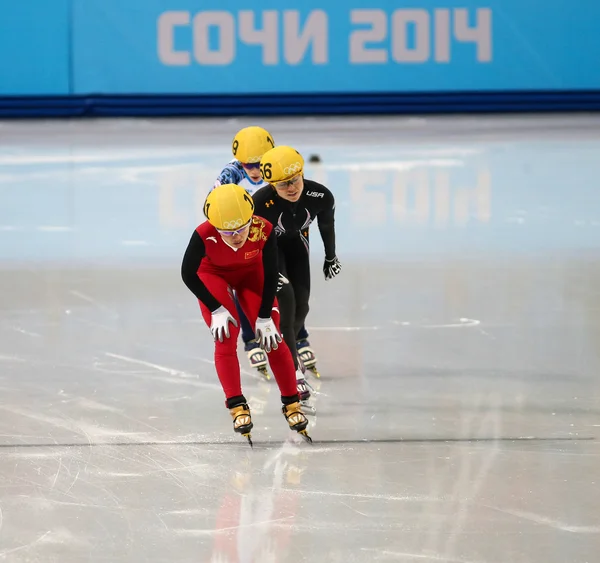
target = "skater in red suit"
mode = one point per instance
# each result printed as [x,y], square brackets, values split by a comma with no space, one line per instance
[236,250]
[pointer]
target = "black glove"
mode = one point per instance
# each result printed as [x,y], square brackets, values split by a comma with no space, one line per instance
[331,268]
[281,282]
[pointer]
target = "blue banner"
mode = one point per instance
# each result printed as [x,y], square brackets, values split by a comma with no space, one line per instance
[220,47]
[34,47]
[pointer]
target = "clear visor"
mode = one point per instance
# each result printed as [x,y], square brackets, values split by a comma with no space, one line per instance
[236,232]
[286,183]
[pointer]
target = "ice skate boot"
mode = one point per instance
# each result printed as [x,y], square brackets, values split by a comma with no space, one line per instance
[296,419]
[242,421]
[304,391]
[308,357]
[257,359]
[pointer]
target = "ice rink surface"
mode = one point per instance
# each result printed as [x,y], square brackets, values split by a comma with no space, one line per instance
[458,416]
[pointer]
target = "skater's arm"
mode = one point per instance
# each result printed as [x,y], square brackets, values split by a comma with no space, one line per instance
[189,272]
[326,220]
[271,269]
[233,173]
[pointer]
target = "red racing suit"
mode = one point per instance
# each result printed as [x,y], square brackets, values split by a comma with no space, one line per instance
[212,269]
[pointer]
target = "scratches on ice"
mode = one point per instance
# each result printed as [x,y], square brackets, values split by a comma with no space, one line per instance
[379,554]
[58,536]
[4,358]
[84,297]
[91,405]
[192,469]
[546,521]
[62,536]
[90,431]
[409,498]
[188,512]
[24,547]
[26,332]
[213,531]
[164,369]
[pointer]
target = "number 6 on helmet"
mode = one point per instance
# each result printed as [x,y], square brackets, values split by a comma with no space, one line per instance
[280,164]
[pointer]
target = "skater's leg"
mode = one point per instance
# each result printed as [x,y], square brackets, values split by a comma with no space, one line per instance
[248,336]
[280,359]
[287,310]
[300,278]
[256,356]
[303,334]
[226,360]
[281,363]
[287,307]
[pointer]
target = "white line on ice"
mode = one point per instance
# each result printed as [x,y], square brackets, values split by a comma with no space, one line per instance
[90,431]
[462,322]
[165,369]
[426,556]
[27,332]
[188,511]
[557,524]
[411,498]
[342,328]
[134,243]
[10,359]
[99,156]
[26,546]
[394,164]
[243,371]
[53,228]
[204,532]
[85,297]
[90,404]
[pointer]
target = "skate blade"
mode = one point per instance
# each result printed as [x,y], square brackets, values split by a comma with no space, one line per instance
[264,373]
[305,436]
[308,410]
[247,435]
[310,386]
[314,371]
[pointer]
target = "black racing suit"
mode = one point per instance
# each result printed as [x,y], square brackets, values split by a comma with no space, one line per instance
[291,222]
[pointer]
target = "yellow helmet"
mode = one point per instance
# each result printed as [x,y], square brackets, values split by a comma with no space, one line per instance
[280,164]
[250,143]
[228,207]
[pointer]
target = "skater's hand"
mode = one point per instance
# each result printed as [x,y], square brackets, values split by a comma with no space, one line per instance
[331,268]
[267,334]
[219,323]
[281,282]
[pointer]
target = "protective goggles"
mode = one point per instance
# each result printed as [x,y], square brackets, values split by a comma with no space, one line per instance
[284,185]
[251,165]
[231,233]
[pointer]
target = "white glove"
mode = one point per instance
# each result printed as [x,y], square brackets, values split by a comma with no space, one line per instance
[281,282]
[331,268]
[219,323]
[267,334]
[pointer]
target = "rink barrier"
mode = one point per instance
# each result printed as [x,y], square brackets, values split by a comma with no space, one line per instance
[299,104]
[179,58]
